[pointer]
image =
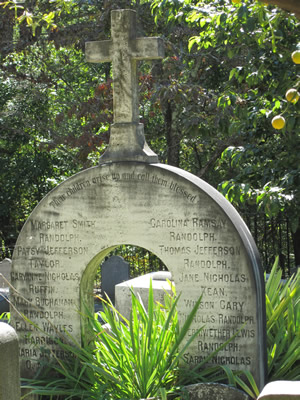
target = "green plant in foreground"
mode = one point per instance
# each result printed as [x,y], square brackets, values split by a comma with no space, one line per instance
[134,359]
[140,358]
[283,325]
[4,317]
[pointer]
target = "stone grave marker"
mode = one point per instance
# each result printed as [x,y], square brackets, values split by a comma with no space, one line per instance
[9,364]
[5,268]
[113,271]
[140,287]
[205,391]
[191,227]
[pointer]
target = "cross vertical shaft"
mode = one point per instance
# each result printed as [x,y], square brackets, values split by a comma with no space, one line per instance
[124,50]
[124,67]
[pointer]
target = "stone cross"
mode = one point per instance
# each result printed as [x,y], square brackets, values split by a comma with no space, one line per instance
[124,50]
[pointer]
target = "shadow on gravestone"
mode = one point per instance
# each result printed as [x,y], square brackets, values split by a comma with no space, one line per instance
[173,214]
[113,271]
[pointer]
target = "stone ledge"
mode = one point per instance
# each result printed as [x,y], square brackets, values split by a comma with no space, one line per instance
[281,390]
[210,391]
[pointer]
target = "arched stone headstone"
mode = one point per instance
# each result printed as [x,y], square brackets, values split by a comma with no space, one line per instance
[180,218]
[130,199]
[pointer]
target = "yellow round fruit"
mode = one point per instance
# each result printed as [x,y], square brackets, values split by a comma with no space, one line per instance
[236,1]
[278,122]
[292,96]
[296,56]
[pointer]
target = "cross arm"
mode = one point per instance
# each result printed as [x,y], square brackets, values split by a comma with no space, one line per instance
[149,48]
[99,51]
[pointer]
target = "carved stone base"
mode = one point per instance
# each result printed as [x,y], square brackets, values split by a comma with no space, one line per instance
[127,143]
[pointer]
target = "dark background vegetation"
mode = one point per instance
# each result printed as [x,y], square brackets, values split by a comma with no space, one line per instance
[207,107]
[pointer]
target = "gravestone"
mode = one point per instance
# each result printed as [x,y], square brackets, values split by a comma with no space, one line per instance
[218,391]
[5,268]
[140,286]
[113,271]
[132,199]
[9,364]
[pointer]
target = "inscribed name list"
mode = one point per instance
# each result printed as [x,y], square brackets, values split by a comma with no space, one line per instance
[172,214]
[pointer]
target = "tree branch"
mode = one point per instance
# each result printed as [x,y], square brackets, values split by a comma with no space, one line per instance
[221,146]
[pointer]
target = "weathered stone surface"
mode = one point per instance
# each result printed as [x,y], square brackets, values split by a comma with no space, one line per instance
[124,50]
[196,233]
[5,268]
[140,286]
[113,271]
[9,363]
[213,391]
[281,390]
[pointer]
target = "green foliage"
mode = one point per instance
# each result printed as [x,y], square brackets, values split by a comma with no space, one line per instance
[225,74]
[138,358]
[35,18]
[4,251]
[283,325]
[142,359]
[240,56]
[134,359]
[5,317]
[206,108]
[141,261]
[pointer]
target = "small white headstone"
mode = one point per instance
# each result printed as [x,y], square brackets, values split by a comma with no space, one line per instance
[140,286]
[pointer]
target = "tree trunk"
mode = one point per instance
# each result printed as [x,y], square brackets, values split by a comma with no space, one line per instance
[172,136]
[296,243]
[7,20]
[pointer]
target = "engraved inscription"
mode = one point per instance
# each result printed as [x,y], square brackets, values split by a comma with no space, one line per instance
[224,278]
[207,223]
[188,237]
[48,238]
[150,207]
[50,250]
[207,264]
[103,179]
